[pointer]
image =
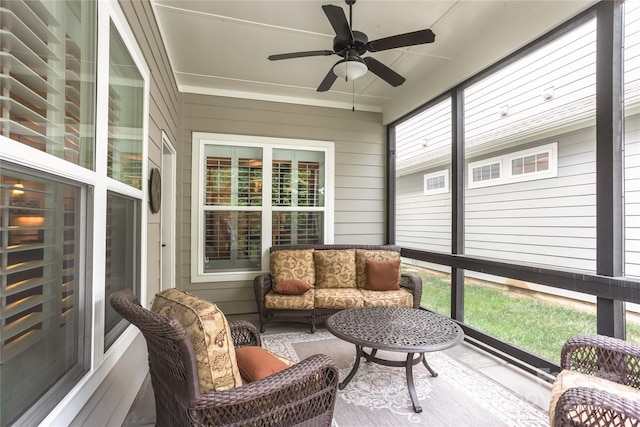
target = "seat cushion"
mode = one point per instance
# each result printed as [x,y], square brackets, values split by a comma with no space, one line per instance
[568,379]
[209,332]
[362,255]
[335,268]
[338,298]
[292,302]
[294,264]
[399,298]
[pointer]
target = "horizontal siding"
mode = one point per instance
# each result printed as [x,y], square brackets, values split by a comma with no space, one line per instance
[360,151]
[632,196]
[548,221]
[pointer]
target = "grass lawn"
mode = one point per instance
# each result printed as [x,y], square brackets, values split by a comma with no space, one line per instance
[537,326]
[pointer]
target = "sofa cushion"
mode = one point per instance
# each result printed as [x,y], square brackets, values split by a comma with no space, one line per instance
[335,268]
[399,298]
[362,255]
[293,264]
[382,275]
[209,332]
[256,363]
[568,379]
[292,302]
[338,298]
[291,287]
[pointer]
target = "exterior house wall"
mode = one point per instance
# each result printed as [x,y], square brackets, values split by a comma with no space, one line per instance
[632,196]
[548,221]
[360,161]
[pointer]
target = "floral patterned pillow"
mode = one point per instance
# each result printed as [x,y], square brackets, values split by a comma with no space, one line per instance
[210,334]
[335,268]
[294,264]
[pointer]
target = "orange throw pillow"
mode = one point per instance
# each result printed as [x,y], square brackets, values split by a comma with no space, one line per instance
[256,363]
[291,287]
[382,275]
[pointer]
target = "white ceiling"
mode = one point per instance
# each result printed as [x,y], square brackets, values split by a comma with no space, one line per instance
[221,47]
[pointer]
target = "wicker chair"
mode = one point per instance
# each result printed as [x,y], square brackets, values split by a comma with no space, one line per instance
[607,358]
[301,395]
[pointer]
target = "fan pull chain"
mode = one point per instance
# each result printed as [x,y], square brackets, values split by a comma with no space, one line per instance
[353,96]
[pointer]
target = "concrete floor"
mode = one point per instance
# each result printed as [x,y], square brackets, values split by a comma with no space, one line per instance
[530,387]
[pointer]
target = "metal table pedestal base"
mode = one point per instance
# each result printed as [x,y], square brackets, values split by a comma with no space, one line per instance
[408,365]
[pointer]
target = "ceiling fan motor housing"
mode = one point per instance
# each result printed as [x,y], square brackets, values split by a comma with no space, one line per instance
[359,44]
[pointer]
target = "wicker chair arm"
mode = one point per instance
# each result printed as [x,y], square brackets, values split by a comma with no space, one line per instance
[244,334]
[300,392]
[605,357]
[262,284]
[591,406]
[412,283]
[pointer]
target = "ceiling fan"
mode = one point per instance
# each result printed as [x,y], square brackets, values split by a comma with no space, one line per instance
[351,44]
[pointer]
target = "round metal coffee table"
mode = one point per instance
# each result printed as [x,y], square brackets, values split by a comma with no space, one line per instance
[406,330]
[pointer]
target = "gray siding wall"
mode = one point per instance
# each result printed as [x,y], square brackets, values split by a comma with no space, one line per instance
[632,195]
[360,155]
[548,221]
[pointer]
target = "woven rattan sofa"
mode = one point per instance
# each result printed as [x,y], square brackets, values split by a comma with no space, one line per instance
[338,276]
[302,394]
[598,385]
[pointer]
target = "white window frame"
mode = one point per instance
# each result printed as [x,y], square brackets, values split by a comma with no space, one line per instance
[552,172]
[202,139]
[506,172]
[486,182]
[443,190]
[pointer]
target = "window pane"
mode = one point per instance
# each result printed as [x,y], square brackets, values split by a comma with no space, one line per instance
[126,105]
[40,303]
[294,228]
[298,178]
[122,270]
[233,176]
[423,146]
[47,75]
[550,221]
[232,241]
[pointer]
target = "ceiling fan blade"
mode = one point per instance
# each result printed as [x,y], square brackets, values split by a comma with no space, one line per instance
[401,40]
[384,72]
[300,54]
[338,21]
[328,81]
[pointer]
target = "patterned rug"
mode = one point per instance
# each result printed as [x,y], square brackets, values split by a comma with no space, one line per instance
[377,395]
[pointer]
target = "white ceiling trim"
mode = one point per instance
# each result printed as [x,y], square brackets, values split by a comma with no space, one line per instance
[200,90]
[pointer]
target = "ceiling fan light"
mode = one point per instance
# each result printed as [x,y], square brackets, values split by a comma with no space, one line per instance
[350,69]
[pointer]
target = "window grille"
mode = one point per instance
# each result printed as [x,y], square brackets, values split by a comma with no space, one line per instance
[486,172]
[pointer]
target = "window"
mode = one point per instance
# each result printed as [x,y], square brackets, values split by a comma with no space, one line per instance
[41,294]
[485,172]
[125,156]
[71,197]
[436,183]
[525,165]
[241,197]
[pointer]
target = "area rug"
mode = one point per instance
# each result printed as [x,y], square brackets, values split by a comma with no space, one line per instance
[377,395]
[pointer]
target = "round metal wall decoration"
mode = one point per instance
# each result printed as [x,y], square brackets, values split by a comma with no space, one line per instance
[155,190]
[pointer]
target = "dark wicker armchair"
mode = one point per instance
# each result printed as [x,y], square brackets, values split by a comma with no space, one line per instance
[599,404]
[301,395]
